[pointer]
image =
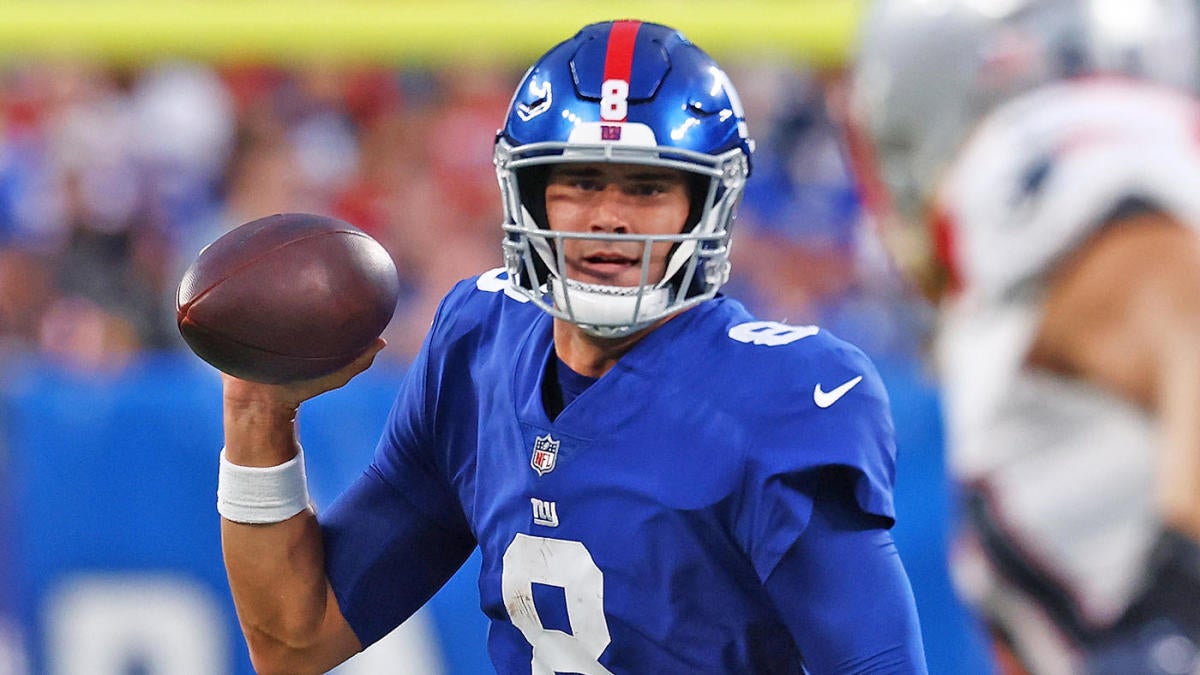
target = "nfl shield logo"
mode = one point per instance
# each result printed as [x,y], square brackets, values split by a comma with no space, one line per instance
[545,454]
[610,132]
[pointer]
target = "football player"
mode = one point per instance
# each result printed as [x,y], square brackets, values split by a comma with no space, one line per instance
[1036,164]
[658,482]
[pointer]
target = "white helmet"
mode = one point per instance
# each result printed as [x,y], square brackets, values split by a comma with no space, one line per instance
[926,71]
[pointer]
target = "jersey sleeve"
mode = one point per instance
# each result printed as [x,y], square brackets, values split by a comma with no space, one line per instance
[834,429]
[398,533]
[844,594]
[1044,171]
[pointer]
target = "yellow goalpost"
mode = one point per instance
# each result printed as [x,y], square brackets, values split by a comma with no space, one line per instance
[403,31]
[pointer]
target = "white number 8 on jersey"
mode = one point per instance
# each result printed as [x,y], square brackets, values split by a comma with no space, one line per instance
[568,565]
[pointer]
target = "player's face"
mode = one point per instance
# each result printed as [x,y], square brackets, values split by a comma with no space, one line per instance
[605,198]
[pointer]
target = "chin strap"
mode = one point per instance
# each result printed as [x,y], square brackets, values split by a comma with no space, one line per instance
[609,311]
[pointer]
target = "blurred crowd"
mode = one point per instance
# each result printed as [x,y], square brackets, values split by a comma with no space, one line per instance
[113,178]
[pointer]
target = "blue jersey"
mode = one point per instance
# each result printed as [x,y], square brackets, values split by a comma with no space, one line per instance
[636,531]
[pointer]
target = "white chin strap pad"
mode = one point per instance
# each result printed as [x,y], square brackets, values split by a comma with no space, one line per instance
[608,306]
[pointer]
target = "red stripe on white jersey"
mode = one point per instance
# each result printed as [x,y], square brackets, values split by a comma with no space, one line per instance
[944,230]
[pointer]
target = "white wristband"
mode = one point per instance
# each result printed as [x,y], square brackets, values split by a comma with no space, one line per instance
[260,495]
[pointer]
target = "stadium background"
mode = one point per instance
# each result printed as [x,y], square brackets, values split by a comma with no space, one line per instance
[133,132]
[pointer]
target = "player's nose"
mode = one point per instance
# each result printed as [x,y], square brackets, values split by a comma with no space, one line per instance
[607,214]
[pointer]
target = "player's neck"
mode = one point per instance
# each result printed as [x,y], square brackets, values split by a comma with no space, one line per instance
[589,355]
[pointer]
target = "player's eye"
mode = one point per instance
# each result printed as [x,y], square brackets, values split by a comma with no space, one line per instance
[576,181]
[582,183]
[645,188]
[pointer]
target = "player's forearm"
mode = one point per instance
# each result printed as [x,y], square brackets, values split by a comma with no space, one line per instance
[276,573]
[288,614]
[275,569]
[274,555]
[1124,314]
[1169,321]
[1179,467]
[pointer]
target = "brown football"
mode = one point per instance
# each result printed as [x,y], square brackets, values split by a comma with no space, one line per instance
[287,297]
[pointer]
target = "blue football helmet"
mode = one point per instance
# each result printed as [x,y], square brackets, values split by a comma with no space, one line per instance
[632,93]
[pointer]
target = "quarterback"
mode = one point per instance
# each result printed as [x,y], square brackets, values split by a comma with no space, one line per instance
[658,481]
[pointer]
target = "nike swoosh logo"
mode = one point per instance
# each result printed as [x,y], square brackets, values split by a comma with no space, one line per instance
[824,399]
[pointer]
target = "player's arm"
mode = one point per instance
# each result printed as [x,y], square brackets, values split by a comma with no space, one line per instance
[844,594]
[276,571]
[1124,313]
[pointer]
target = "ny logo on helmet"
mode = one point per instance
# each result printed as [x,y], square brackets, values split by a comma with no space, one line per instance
[545,454]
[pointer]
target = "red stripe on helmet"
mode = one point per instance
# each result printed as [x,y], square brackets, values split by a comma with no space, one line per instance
[618,60]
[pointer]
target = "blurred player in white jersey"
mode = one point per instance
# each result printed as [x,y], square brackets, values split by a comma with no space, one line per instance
[1035,164]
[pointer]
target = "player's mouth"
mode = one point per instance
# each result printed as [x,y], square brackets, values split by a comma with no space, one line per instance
[609,267]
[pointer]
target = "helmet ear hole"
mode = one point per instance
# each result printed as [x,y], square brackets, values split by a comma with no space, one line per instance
[531,182]
[697,199]
[531,187]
